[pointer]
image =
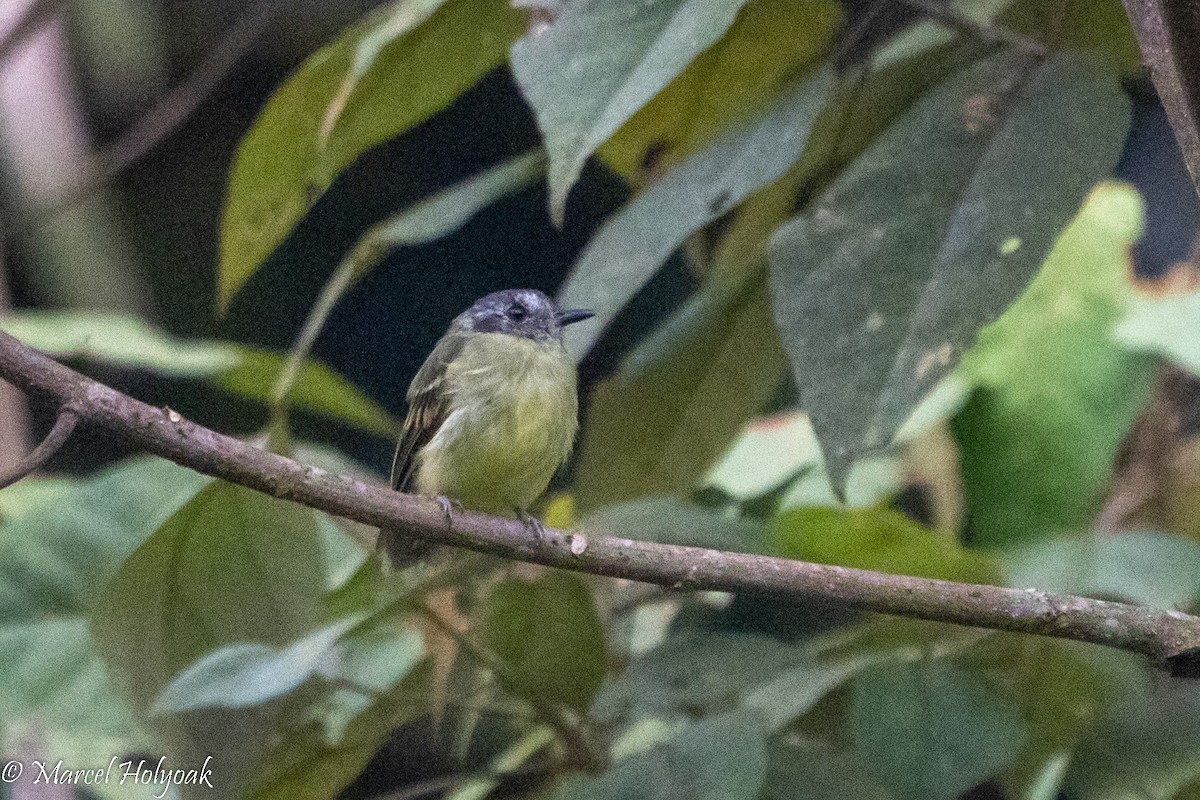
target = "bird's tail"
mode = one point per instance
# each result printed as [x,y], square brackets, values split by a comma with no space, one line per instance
[402,548]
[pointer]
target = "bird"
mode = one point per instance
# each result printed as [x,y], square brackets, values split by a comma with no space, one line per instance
[492,413]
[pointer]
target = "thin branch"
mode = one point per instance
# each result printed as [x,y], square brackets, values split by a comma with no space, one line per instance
[947,15]
[64,426]
[1169,638]
[339,282]
[172,109]
[571,731]
[1167,32]
[36,14]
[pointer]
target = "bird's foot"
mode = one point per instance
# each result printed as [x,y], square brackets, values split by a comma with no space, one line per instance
[449,506]
[534,524]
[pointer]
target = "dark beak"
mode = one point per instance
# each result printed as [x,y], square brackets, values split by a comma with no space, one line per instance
[574,315]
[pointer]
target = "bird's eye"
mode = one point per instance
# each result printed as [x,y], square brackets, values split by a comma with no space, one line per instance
[517,312]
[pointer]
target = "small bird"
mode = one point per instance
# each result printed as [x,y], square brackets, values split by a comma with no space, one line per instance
[492,413]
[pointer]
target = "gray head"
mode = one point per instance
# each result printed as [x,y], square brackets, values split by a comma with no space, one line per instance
[519,312]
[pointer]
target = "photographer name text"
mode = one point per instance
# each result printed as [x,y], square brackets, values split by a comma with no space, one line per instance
[120,773]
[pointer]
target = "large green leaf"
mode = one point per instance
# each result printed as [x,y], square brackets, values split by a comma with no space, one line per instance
[670,520]
[1060,688]
[931,233]
[1146,745]
[249,673]
[598,62]
[769,43]
[800,767]
[768,453]
[703,673]
[635,241]
[1164,323]
[231,566]
[930,730]
[1156,569]
[448,210]
[1055,394]
[550,638]
[671,409]
[720,758]
[129,341]
[400,65]
[331,729]
[59,542]
[880,539]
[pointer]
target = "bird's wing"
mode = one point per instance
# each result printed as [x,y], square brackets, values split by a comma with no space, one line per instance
[428,407]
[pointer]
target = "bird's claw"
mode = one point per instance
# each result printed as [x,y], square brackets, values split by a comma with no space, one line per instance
[535,524]
[449,506]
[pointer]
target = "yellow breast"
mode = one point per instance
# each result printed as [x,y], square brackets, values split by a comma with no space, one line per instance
[513,414]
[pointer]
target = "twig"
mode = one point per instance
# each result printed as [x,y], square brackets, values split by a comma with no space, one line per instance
[170,111]
[339,282]
[947,15]
[36,14]
[1169,638]
[1167,32]
[64,426]
[584,752]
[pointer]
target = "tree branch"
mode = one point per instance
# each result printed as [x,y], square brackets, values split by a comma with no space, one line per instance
[64,425]
[1169,638]
[1168,32]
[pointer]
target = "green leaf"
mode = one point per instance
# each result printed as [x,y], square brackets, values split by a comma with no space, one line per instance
[702,673]
[449,210]
[119,339]
[931,233]
[53,686]
[598,62]
[1060,687]
[396,68]
[634,242]
[1155,569]
[249,673]
[1055,394]
[809,768]
[231,566]
[671,409]
[1100,26]
[59,542]
[131,342]
[1146,745]
[331,736]
[928,34]
[318,389]
[720,758]
[1165,324]
[329,728]
[669,520]
[769,43]
[548,634]
[878,539]
[768,453]
[930,730]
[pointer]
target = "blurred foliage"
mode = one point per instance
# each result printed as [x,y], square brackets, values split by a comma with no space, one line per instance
[906,267]
[1055,393]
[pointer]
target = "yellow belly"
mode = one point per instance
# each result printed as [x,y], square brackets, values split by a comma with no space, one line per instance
[513,414]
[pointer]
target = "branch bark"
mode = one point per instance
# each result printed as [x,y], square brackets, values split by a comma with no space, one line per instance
[1168,33]
[64,425]
[1169,638]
